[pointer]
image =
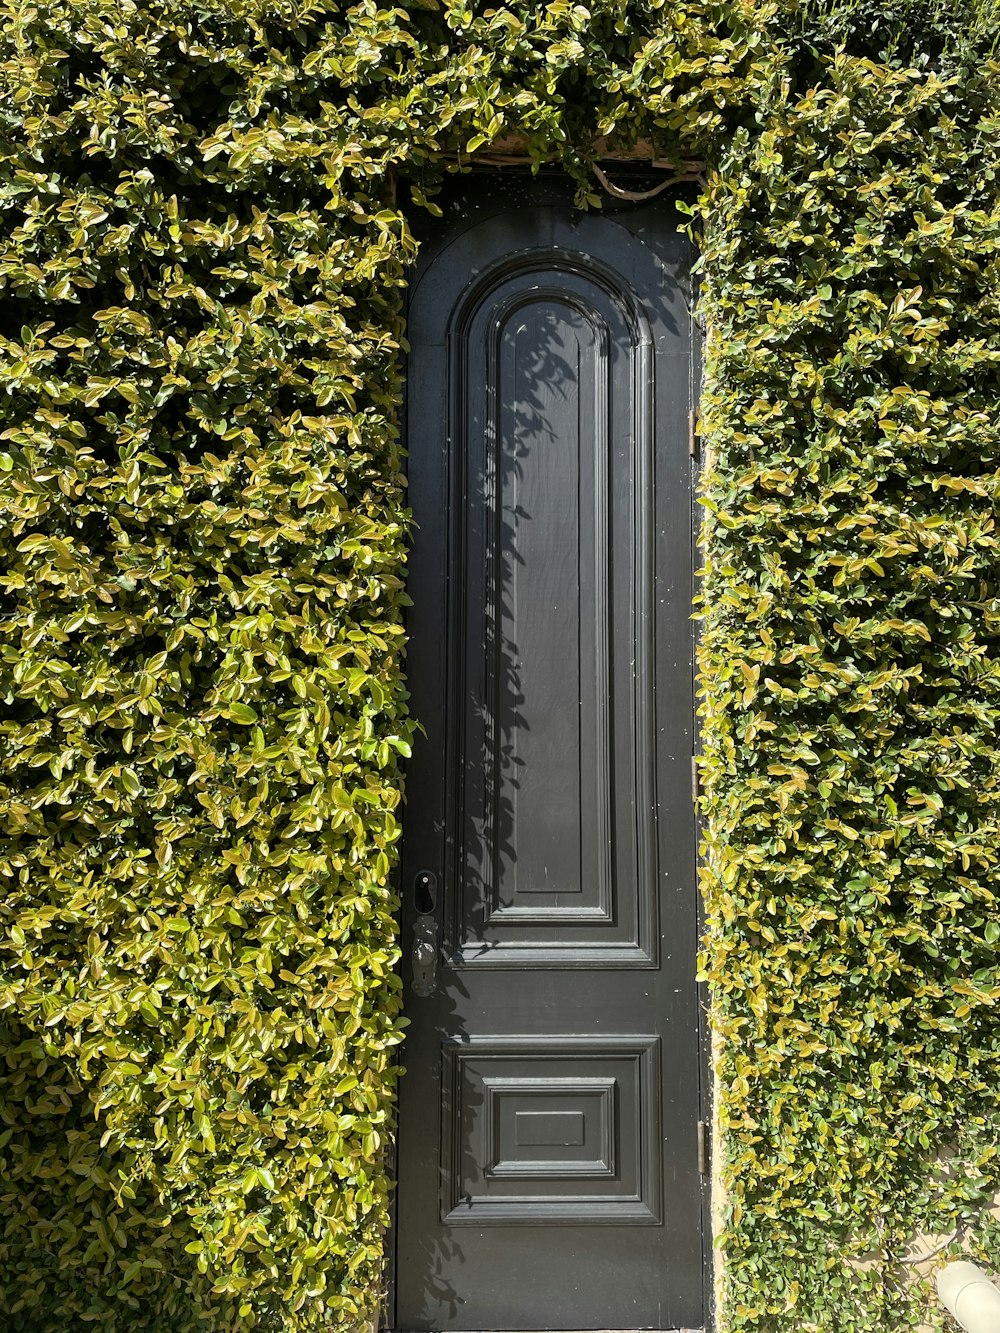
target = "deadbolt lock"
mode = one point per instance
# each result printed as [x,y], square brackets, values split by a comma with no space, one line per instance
[426,934]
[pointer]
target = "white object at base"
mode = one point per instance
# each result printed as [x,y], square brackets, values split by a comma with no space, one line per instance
[969,1294]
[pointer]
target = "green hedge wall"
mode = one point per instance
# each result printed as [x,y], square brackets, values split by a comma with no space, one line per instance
[202,547]
[851,690]
[202,266]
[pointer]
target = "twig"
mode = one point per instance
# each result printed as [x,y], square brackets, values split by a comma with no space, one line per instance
[957,1235]
[638,196]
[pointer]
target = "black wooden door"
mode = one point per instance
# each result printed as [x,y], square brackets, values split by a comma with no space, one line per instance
[548,1161]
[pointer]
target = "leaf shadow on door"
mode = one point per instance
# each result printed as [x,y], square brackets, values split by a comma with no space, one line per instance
[519,534]
[519,753]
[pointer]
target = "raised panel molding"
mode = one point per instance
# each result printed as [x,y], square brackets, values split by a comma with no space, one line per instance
[551,378]
[560,1128]
[554,1129]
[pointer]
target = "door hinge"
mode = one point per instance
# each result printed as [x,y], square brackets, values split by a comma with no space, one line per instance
[695,780]
[693,432]
[703,1147]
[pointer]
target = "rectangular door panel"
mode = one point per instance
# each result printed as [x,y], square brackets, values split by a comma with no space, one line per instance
[551,1129]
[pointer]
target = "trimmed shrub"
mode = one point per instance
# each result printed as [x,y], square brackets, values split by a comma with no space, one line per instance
[200,641]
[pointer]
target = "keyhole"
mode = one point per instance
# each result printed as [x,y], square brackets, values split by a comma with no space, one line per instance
[424,897]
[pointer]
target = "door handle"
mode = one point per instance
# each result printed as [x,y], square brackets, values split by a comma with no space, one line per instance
[426,935]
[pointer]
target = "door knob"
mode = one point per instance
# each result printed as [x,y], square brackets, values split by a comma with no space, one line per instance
[426,935]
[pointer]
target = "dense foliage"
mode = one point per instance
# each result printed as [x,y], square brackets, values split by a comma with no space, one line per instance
[203,532]
[851,688]
[199,647]
[944,34]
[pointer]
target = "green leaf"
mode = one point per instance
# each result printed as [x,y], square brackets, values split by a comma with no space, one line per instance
[242,713]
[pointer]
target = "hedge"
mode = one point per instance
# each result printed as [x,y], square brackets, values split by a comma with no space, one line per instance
[201,633]
[206,234]
[851,692]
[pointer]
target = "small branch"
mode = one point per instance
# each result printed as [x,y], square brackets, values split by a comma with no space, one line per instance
[638,196]
[957,1235]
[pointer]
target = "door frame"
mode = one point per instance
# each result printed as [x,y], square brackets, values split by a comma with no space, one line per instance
[426,231]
